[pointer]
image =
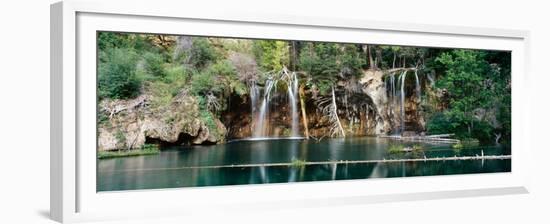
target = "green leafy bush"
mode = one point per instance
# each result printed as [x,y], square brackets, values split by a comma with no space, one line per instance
[395,148]
[203,82]
[272,55]
[117,74]
[325,62]
[154,64]
[217,78]
[202,53]
[146,149]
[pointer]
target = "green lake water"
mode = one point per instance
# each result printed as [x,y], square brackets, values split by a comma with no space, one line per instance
[183,166]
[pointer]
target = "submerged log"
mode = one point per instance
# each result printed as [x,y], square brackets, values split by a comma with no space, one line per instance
[305,163]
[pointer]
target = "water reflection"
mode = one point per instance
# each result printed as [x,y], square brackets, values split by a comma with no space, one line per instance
[171,167]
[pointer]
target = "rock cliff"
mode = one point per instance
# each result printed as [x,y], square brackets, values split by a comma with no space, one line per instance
[129,124]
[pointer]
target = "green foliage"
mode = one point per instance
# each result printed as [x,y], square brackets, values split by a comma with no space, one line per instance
[319,61]
[439,124]
[204,82]
[470,142]
[457,146]
[161,94]
[475,80]
[395,148]
[102,118]
[163,91]
[324,62]
[466,75]
[297,163]
[239,45]
[202,53]
[228,78]
[154,64]
[117,74]
[136,42]
[466,143]
[176,77]
[218,78]
[208,119]
[120,136]
[351,61]
[146,149]
[504,116]
[272,55]
[176,74]
[108,40]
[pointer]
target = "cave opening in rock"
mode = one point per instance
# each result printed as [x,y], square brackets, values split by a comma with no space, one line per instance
[183,139]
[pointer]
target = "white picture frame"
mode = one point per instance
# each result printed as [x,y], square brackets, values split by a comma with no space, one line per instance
[73,109]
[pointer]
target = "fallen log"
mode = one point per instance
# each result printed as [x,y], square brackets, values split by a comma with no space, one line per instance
[336,162]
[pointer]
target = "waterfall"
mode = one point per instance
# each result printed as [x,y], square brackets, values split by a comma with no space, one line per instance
[431,78]
[260,129]
[402,94]
[392,93]
[418,91]
[254,93]
[292,89]
[367,118]
[262,119]
[403,77]
[392,86]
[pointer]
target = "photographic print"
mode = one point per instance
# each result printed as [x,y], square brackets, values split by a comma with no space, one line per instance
[191,111]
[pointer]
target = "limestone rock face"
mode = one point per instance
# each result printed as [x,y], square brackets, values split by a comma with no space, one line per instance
[373,85]
[125,124]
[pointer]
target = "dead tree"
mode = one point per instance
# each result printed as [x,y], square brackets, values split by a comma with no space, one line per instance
[329,109]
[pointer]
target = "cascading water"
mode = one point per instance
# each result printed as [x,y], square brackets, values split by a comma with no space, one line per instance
[418,91]
[261,130]
[402,94]
[402,78]
[292,89]
[254,94]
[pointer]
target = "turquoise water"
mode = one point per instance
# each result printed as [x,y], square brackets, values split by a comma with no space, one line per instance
[184,166]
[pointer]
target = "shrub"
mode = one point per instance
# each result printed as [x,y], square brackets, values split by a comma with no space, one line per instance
[120,136]
[271,55]
[438,124]
[203,82]
[208,119]
[154,64]
[176,74]
[117,74]
[457,146]
[217,78]
[395,148]
[297,162]
[442,123]
[202,53]
[146,149]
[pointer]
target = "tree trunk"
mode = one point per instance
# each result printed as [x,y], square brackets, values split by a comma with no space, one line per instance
[303,107]
[394,57]
[497,138]
[378,52]
[372,64]
[293,48]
